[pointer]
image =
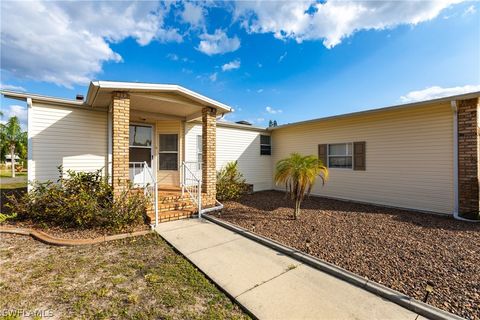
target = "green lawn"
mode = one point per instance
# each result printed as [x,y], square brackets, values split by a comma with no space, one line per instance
[7,173]
[136,278]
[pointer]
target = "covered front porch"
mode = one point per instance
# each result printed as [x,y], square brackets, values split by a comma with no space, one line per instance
[147,134]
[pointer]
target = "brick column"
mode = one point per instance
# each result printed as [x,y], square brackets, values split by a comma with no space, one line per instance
[120,141]
[209,145]
[468,155]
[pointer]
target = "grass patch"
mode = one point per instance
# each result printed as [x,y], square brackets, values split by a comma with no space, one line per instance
[139,278]
[7,173]
[13,185]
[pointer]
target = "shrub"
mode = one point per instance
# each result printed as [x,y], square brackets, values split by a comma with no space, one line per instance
[80,200]
[230,182]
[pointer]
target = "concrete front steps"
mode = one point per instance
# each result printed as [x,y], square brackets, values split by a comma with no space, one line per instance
[172,206]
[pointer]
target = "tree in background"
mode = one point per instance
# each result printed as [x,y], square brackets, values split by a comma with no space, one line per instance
[272,123]
[299,174]
[13,140]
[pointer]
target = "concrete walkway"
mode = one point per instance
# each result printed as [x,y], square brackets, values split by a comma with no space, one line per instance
[269,284]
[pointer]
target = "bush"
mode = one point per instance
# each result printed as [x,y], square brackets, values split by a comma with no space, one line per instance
[80,200]
[230,182]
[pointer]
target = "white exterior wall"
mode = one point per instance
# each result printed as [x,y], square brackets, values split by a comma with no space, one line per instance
[235,144]
[409,156]
[73,137]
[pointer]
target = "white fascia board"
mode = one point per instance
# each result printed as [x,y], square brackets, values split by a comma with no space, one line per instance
[39,98]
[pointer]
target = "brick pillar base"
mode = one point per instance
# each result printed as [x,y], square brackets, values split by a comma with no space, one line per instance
[468,155]
[120,141]
[209,145]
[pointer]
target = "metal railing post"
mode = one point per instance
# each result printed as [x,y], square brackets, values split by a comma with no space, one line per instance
[199,199]
[183,178]
[156,203]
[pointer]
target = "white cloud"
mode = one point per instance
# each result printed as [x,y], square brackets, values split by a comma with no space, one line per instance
[259,90]
[232,65]
[172,56]
[68,42]
[271,110]
[437,92]
[334,20]
[218,43]
[15,110]
[5,86]
[470,10]
[283,56]
[213,77]
[193,14]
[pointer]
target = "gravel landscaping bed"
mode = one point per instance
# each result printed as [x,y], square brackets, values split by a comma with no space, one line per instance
[397,248]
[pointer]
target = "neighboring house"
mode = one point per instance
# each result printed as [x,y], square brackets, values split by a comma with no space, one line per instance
[8,160]
[402,156]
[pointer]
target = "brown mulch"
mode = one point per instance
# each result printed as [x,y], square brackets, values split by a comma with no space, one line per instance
[397,248]
[70,233]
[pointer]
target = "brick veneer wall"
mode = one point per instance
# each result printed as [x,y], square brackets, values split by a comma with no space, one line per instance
[209,145]
[120,141]
[468,155]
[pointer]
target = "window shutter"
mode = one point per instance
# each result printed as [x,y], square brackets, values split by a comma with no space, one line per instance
[359,156]
[322,153]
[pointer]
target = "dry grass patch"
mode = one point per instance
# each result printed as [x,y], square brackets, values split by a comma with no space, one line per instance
[136,278]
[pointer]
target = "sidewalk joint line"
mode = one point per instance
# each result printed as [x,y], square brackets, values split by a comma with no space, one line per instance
[214,246]
[268,280]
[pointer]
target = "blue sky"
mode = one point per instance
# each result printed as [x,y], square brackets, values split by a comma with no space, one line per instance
[286,61]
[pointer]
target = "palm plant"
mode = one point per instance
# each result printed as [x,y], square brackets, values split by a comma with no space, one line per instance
[298,173]
[13,139]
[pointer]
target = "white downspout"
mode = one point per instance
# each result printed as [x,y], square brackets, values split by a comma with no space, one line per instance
[453,103]
[30,169]
[109,144]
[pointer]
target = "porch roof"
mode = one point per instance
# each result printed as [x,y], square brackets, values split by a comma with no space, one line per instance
[167,98]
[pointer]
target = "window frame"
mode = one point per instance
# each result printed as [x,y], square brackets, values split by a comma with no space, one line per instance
[269,145]
[349,147]
[177,152]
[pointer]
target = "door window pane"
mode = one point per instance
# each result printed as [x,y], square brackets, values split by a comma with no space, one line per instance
[168,161]
[140,155]
[140,136]
[168,153]
[169,142]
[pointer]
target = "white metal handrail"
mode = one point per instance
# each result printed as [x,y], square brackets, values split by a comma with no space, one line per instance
[150,186]
[192,184]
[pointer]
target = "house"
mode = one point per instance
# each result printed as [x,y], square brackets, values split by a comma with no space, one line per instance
[421,156]
[8,160]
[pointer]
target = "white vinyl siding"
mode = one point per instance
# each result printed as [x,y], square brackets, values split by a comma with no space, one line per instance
[409,156]
[235,144]
[73,137]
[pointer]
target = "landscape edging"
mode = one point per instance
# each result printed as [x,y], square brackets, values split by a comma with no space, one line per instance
[401,299]
[51,240]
